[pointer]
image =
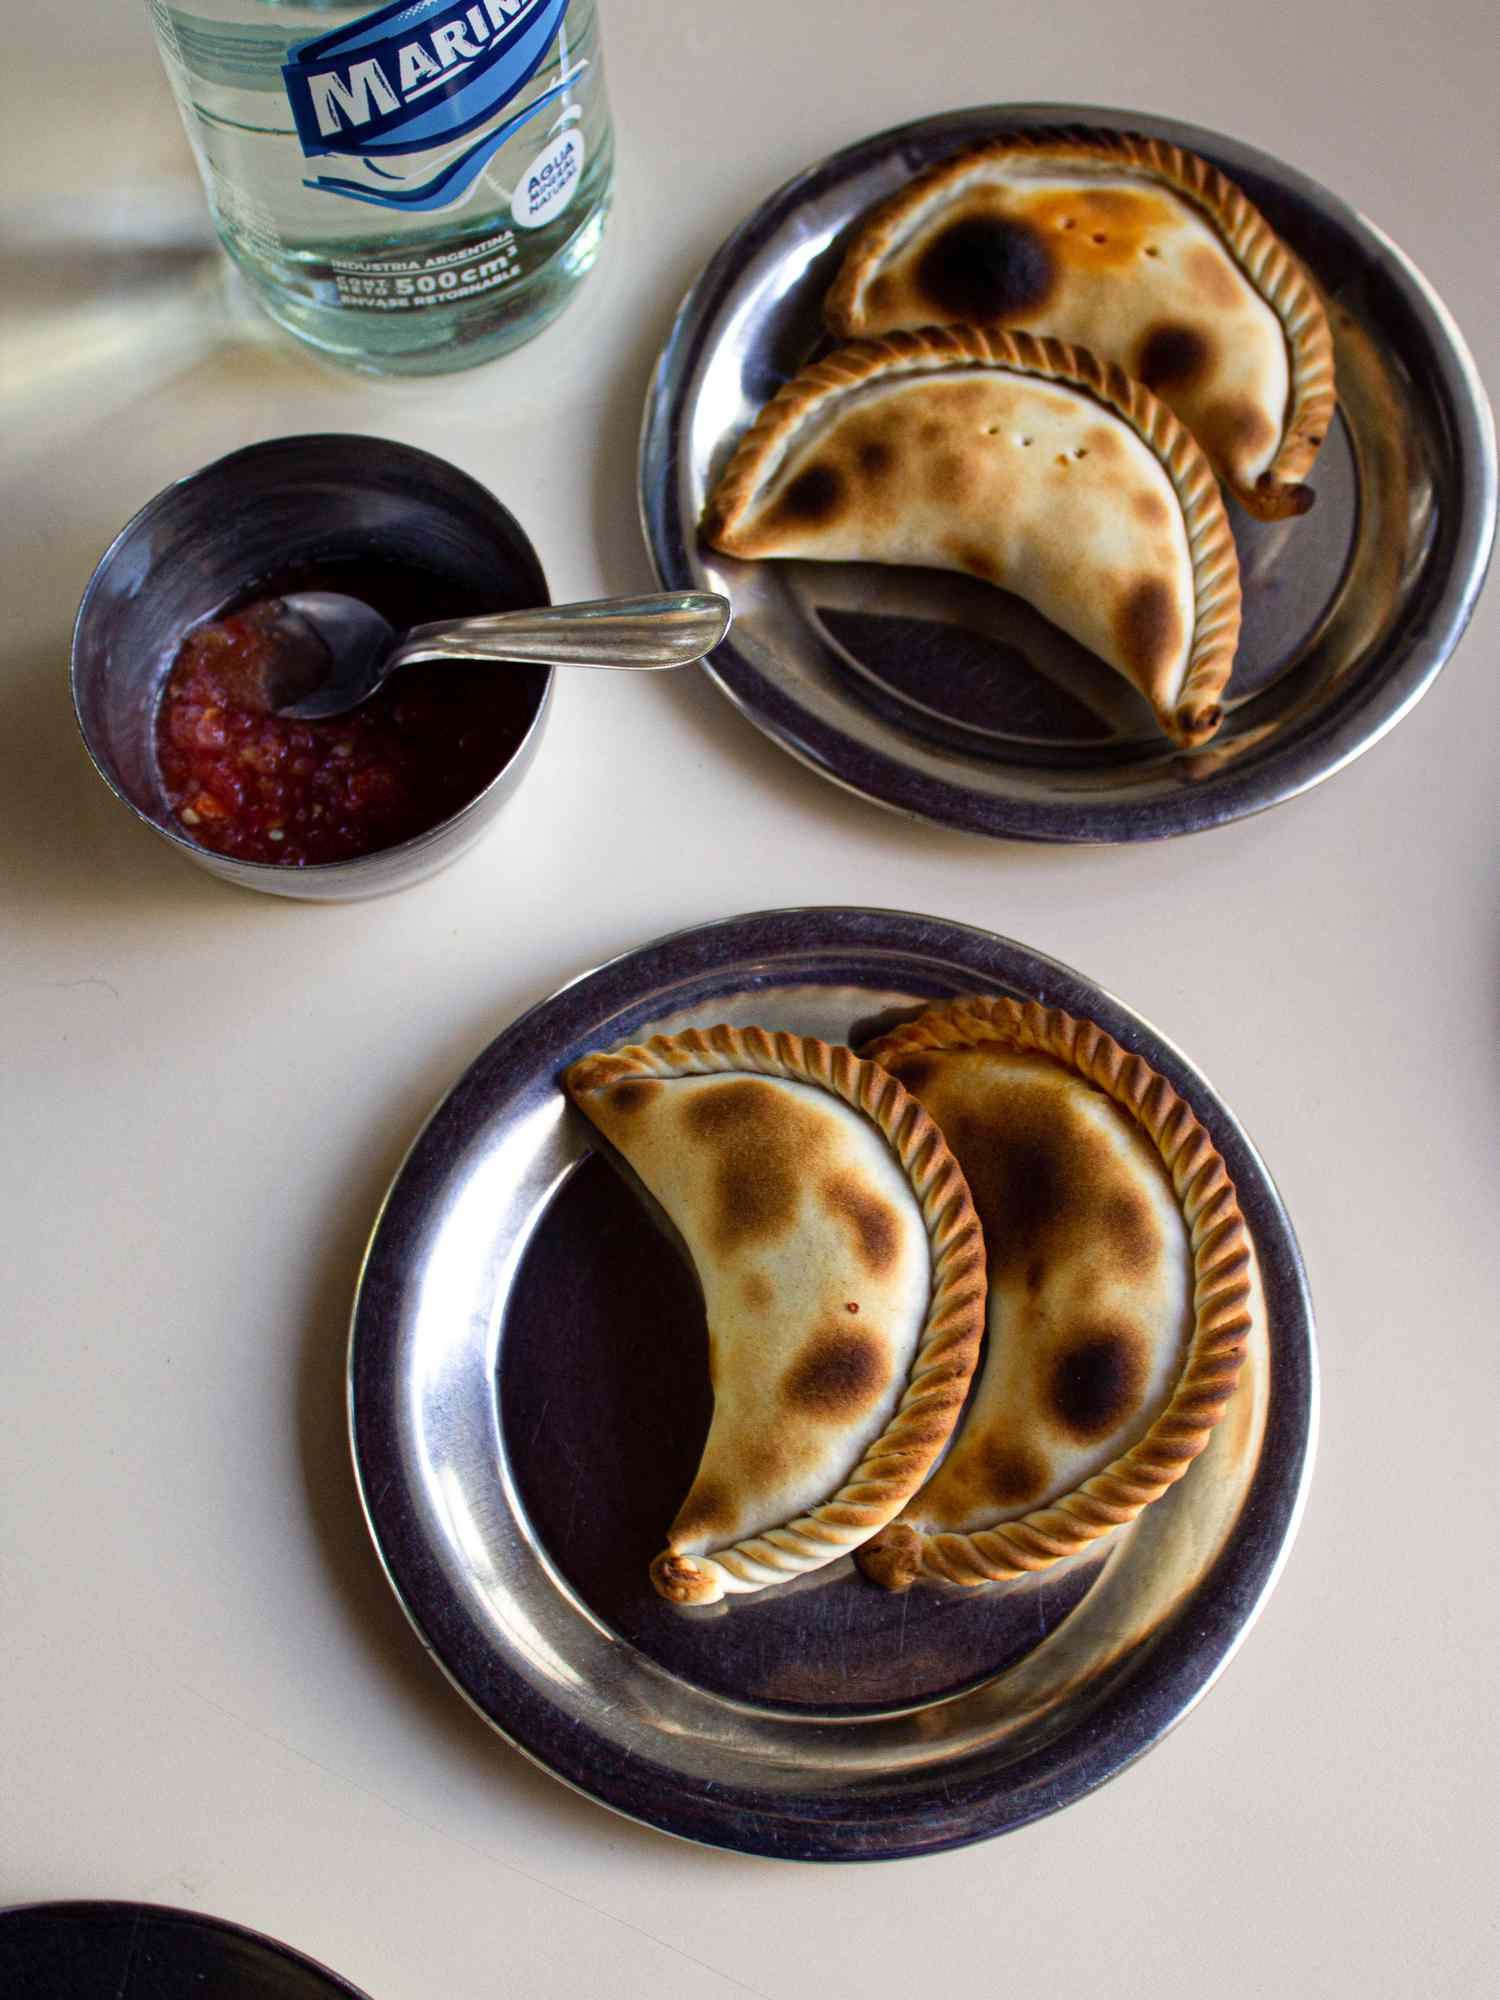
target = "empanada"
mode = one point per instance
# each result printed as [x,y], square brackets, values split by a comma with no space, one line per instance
[843,1275]
[1119,1287]
[1135,249]
[1022,461]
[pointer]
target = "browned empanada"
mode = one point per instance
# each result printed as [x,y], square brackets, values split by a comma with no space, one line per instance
[1119,1289]
[1135,249]
[843,1276]
[1022,461]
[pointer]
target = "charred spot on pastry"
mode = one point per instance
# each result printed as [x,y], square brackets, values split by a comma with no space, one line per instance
[1014,1475]
[986,267]
[1095,1383]
[875,459]
[1148,626]
[1234,428]
[1151,508]
[1020,1181]
[914,1072]
[763,1465]
[814,497]
[973,560]
[951,477]
[1173,356]
[1130,1238]
[838,1373]
[632,1096]
[1212,276]
[761,1143]
[755,1290]
[1042,1176]
[872,1223]
[708,1511]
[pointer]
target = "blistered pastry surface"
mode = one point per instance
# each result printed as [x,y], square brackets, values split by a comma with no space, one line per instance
[1098,1376]
[813,1258]
[1133,248]
[1027,462]
[805,1182]
[1090,1292]
[1023,482]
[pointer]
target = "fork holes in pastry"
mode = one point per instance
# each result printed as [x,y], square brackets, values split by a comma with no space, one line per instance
[1098,237]
[1068,223]
[992,430]
[1023,441]
[1152,251]
[1082,451]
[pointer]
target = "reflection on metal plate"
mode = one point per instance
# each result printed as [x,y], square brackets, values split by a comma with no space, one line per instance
[939,697]
[530,1394]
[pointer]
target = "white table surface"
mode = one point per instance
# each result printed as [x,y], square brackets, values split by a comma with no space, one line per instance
[208,1695]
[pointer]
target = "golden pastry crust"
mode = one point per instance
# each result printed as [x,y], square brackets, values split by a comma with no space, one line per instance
[937,1382]
[1221,1302]
[1271,269]
[1194,714]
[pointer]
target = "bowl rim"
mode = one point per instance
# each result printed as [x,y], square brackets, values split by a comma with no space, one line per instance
[256,872]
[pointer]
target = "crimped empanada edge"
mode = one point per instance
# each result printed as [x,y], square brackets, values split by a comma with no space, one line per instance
[1197,711]
[1275,272]
[898,1461]
[1221,1301]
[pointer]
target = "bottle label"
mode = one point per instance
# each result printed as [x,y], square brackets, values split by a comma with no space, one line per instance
[547,185]
[414,78]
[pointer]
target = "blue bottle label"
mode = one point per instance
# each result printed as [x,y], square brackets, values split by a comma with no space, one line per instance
[413,77]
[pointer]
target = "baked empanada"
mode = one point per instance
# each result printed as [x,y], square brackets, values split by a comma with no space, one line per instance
[1022,461]
[1135,249]
[1119,1286]
[843,1275]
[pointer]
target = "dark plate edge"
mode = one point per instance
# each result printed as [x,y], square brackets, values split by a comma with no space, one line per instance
[170,1913]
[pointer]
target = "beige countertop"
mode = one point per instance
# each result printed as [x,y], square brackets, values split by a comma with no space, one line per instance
[208,1695]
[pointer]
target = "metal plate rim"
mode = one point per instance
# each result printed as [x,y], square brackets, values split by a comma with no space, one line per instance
[1354,722]
[198,1921]
[551,1741]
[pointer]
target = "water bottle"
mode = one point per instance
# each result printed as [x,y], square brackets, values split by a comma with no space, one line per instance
[410,188]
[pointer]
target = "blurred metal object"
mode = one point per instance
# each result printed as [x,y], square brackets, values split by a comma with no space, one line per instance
[528,1381]
[943,698]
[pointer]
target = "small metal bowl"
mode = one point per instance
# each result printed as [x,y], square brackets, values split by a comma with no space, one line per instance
[249,516]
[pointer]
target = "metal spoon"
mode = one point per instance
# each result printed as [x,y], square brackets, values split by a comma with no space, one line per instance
[332,651]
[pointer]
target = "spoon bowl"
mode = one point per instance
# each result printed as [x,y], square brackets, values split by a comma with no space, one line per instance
[331,651]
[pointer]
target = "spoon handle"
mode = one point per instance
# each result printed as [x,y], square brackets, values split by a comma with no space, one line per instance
[667,629]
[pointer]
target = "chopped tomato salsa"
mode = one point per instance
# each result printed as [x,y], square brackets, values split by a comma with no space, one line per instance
[252,785]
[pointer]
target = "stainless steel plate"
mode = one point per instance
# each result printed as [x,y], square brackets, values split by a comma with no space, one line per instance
[529,1395]
[945,699]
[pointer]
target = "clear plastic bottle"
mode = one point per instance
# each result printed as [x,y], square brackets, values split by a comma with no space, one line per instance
[410,188]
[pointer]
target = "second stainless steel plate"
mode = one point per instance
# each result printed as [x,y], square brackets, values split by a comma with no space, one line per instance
[530,1394]
[942,698]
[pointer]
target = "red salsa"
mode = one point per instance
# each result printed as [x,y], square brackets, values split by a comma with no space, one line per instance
[252,785]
